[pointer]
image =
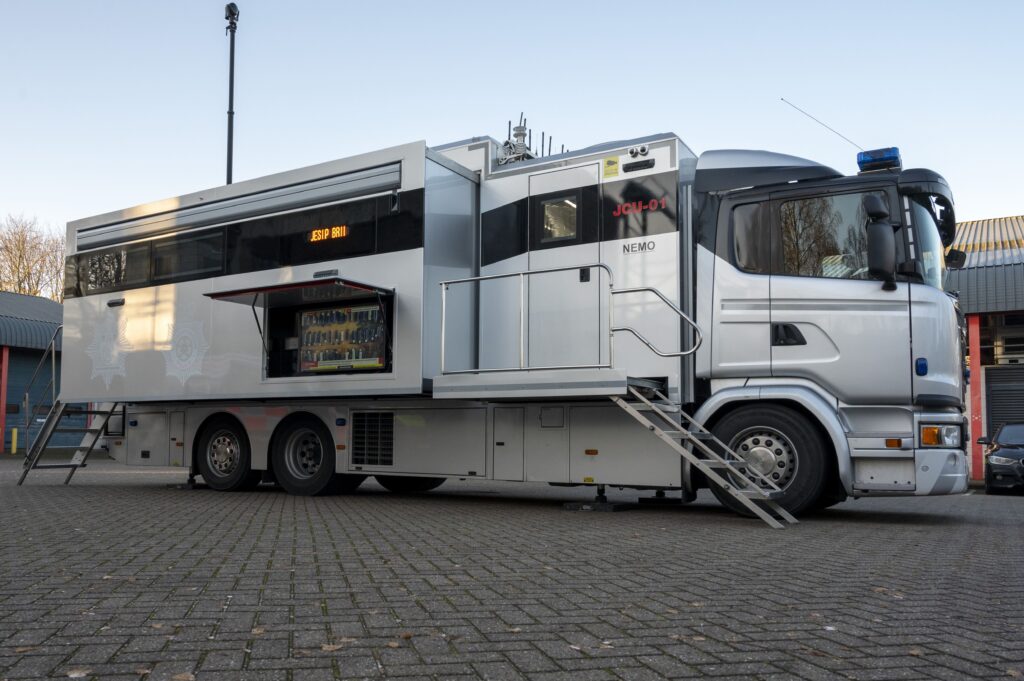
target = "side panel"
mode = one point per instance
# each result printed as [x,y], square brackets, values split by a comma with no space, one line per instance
[547,444]
[857,337]
[440,442]
[936,337]
[172,342]
[741,323]
[177,439]
[148,439]
[450,248]
[508,443]
[606,446]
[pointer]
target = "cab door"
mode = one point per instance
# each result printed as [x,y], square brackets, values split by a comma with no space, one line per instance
[565,324]
[830,322]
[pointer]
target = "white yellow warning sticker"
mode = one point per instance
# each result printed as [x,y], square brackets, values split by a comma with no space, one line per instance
[611,166]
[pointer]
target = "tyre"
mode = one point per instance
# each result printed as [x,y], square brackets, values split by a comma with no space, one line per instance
[782,445]
[303,456]
[223,456]
[402,484]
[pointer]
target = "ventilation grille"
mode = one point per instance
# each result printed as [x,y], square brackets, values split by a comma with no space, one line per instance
[373,438]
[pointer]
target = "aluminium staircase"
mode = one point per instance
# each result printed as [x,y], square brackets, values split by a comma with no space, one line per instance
[55,423]
[729,473]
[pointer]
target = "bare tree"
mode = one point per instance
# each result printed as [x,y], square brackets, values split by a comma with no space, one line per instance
[31,258]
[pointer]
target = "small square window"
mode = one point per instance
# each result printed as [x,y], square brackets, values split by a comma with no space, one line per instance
[559,219]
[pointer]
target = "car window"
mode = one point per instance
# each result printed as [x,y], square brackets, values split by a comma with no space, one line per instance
[1011,434]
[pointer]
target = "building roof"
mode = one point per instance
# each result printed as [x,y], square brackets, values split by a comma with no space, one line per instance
[28,321]
[992,278]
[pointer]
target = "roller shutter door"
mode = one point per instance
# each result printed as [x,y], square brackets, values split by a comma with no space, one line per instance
[1004,396]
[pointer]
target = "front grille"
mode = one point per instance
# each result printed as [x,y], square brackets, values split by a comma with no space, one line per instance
[373,438]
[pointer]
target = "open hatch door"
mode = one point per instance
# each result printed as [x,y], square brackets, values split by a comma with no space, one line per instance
[327,325]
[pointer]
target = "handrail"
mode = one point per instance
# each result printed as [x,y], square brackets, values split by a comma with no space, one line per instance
[522,317]
[51,352]
[612,329]
[682,315]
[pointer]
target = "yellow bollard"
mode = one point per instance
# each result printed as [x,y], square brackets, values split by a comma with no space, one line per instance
[14,440]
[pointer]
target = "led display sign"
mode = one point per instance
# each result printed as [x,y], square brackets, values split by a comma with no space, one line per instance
[328,233]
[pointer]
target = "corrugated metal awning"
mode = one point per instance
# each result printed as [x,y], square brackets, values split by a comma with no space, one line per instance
[28,321]
[992,278]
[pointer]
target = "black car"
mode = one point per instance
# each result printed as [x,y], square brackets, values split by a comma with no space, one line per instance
[1004,458]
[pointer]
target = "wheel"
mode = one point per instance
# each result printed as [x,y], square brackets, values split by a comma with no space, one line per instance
[303,457]
[402,484]
[782,445]
[223,456]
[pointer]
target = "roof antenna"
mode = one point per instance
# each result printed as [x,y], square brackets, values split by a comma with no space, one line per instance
[822,124]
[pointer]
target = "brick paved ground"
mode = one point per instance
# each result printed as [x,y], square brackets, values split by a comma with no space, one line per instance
[121,577]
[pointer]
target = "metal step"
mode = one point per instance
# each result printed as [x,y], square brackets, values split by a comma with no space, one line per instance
[81,451]
[735,484]
[696,435]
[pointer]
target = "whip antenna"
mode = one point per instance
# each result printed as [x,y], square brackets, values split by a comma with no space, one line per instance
[822,124]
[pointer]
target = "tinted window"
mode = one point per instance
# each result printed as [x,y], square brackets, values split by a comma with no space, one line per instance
[825,236]
[71,277]
[559,219]
[503,232]
[114,268]
[400,221]
[565,218]
[751,242]
[343,230]
[640,206]
[188,257]
[1011,434]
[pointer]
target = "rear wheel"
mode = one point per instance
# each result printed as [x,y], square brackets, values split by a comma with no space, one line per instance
[784,447]
[224,457]
[303,457]
[408,485]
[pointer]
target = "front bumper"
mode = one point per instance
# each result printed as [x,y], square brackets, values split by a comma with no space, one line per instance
[940,471]
[1004,476]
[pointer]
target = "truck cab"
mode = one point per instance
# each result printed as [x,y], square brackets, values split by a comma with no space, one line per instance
[800,318]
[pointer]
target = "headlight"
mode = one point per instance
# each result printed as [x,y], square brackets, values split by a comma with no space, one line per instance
[1001,460]
[940,436]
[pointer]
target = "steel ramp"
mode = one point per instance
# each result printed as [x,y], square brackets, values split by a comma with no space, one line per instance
[727,474]
[80,453]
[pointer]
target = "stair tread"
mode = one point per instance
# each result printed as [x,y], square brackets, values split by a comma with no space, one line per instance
[59,465]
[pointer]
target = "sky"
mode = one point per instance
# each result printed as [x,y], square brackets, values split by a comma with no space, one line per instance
[109,104]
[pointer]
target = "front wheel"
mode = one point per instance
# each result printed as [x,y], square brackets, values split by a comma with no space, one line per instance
[784,447]
[402,484]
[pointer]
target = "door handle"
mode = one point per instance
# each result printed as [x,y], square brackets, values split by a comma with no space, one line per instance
[786,334]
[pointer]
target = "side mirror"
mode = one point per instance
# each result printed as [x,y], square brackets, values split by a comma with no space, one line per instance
[881,242]
[955,259]
[984,441]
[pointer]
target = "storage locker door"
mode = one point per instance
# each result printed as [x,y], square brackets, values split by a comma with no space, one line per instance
[508,443]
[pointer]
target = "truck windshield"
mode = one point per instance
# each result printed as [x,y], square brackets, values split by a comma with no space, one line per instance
[930,251]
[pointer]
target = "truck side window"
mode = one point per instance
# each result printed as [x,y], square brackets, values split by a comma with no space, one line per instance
[824,236]
[751,245]
[559,215]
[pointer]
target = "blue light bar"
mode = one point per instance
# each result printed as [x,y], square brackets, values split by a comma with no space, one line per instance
[879,159]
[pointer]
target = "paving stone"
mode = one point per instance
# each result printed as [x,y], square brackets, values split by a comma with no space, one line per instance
[120,573]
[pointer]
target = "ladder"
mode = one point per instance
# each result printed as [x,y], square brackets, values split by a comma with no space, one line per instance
[55,423]
[729,473]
